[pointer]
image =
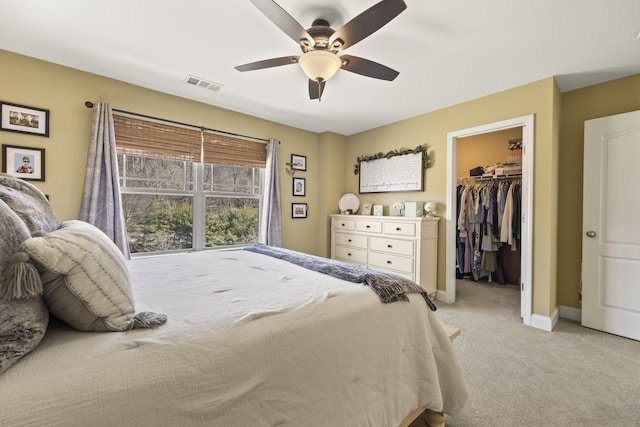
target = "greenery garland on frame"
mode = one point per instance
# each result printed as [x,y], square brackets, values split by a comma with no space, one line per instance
[392,153]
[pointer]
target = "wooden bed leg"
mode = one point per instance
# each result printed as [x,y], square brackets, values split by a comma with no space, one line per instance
[435,419]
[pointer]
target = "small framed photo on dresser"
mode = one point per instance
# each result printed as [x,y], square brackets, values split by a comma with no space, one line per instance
[366,209]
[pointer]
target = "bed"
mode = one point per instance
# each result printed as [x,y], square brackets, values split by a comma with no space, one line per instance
[249,340]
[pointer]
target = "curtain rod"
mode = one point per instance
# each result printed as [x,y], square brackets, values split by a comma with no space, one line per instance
[90,104]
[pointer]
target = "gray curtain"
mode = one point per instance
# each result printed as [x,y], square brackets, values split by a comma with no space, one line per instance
[101,203]
[271,221]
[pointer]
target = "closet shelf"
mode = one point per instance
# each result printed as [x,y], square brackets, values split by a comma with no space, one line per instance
[488,178]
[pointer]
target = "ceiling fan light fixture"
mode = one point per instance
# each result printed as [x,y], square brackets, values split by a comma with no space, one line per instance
[319,65]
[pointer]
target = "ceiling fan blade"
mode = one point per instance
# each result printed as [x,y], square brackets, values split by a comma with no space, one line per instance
[315,89]
[367,23]
[367,68]
[268,63]
[284,21]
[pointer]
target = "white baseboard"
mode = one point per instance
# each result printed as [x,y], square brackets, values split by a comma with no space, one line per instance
[442,296]
[544,322]
[570,313]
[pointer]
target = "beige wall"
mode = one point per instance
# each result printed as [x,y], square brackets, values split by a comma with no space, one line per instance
[63,91]
[485,149]
[432,128]
[614,97]
[330,157]
[333,149]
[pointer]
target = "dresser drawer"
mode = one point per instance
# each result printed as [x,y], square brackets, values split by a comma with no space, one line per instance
[343,224]
[399,229]
[353,240]
[351,254]
[369,226]
[393,262]
[396,246]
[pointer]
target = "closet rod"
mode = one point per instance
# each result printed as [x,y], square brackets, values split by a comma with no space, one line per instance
[90,104]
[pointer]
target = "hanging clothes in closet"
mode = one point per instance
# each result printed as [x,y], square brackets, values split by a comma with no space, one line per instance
[488,217]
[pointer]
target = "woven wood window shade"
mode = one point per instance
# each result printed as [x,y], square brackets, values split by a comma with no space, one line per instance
[228,150]
[147,138]
[136,136]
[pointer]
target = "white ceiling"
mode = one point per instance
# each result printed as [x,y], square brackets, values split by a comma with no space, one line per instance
[447,52]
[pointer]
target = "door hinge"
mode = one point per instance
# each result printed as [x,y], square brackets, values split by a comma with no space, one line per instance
[522,287]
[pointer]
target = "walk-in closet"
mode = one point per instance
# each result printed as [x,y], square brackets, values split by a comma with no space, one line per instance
[489,203]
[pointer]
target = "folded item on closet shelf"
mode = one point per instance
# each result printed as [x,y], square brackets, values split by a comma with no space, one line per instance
[508,170]
[477,171]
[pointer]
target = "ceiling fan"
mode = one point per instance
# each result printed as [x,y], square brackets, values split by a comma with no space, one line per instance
[321,44]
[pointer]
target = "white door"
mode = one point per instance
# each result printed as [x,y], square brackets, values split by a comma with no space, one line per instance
[611,225]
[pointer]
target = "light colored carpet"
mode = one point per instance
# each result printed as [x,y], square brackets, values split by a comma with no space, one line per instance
[522,376]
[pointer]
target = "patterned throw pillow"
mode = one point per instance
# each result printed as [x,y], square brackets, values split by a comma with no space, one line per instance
[29,203]
[86,280]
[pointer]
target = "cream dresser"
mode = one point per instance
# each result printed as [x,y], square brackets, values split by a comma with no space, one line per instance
[404,246]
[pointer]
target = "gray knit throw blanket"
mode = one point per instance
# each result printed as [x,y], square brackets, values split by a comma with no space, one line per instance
[389,287]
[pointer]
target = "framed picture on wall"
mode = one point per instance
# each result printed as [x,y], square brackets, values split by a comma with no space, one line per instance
[298,210]
[298,162]
[23,162]
[20,118]
[299,187]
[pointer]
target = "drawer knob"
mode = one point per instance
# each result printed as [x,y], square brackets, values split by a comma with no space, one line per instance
[349,240]
[389,246]
[342,225]
[368,226]
[388,262]
[349,254]
[398,229]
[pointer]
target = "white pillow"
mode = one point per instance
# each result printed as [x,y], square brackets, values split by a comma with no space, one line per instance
[85,279]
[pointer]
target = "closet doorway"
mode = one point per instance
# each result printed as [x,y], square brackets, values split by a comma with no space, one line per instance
[526,123]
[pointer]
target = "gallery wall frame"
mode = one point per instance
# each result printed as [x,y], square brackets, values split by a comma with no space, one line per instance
[23,162]
[299,210]
[24,119]
[298,162]
[299,187]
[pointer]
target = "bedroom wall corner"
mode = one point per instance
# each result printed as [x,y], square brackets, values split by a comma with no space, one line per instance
[331,184]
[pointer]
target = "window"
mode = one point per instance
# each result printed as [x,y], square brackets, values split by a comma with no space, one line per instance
[185,188]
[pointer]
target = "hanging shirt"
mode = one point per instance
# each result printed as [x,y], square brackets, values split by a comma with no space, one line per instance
[506,230]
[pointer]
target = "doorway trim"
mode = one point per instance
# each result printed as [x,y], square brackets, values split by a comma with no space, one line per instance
[527,124]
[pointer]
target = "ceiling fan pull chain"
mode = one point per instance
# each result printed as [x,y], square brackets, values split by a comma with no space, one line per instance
[319,91]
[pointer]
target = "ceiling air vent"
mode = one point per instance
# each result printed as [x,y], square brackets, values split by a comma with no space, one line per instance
[197,81]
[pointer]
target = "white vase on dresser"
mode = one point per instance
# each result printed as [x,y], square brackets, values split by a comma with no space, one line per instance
[401,245]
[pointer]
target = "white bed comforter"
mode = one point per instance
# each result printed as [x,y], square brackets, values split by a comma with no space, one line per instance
[250,341]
